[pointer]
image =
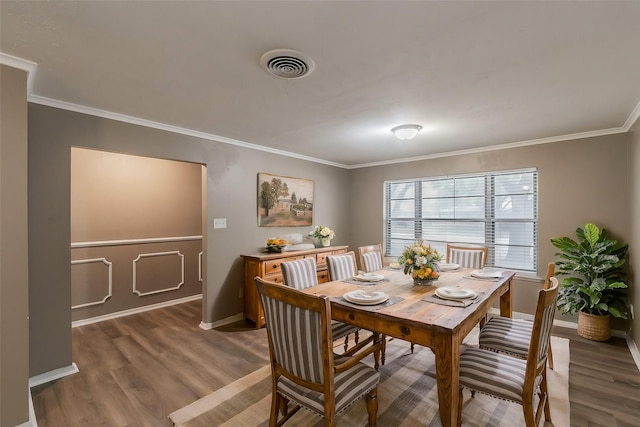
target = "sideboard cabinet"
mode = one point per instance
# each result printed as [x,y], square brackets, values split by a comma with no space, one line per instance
[267,266]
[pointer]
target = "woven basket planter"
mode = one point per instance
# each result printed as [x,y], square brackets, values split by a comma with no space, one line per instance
[593,327]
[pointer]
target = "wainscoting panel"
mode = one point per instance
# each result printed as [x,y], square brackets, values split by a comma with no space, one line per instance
[158,272]
[143,272]
[91,282]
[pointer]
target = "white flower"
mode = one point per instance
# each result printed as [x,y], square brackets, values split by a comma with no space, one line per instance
[322,232]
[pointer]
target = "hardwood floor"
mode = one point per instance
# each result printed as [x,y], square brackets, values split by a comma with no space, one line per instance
[135,370]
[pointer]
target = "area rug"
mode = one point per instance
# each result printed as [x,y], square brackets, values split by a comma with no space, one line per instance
[407,396]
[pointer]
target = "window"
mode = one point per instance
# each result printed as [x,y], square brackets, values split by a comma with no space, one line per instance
[498,210]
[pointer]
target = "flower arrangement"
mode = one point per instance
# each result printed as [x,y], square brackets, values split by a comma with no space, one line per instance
[275,244]
[322,232]
[421,261]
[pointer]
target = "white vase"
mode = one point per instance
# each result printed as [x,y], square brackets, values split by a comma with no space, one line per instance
[326,242]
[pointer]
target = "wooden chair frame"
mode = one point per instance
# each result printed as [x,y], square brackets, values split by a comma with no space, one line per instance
[332,274]
[536,364]
[503,321]
[319,304]
[367,249]
[461,247]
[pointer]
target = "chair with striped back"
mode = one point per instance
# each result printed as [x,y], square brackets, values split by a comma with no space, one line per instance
[467,256]
[342,266]
[512,336]
[370,258]
[301,274]
[509,378]
[304,369]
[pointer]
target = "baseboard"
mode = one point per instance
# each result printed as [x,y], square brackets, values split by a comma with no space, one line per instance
[54,374]
[634,351]
[32,414]
[210,325]
[134,311]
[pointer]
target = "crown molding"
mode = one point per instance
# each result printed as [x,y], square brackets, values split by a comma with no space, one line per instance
[36,99]
[633,117]
[21,64]
[30,67]
[560,138]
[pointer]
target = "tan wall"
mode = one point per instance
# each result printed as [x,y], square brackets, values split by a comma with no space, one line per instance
[117,197]
[579,181]
[231,193]
[634,225]
[14,277]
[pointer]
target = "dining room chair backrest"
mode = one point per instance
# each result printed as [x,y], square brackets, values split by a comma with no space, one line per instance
[300,274]
[551,270]
[297,327]
[467,256]
[342,266]
[370,258]
[542,324]
[303,368]
[510,378]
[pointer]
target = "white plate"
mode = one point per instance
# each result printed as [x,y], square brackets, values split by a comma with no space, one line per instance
[448,266]
[369,277]
[487,274]
[455,293]
[365,297]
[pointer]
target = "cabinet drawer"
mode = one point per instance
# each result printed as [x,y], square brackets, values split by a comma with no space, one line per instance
[323,276]
[273,266]
[321,259]
[277,278]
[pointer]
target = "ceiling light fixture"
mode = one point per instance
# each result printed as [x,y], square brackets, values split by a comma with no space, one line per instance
[406,132]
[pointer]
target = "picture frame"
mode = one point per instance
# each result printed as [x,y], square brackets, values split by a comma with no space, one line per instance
[284,201]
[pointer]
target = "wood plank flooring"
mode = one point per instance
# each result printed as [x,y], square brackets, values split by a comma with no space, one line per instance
[135,370]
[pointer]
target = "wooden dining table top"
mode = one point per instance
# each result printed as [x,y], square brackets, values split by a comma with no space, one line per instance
[409,317]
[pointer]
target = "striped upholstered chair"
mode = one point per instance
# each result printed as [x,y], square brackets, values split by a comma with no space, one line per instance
[467,256]
[512,336]
[301,274]
[509,378]
[342,266]
[370,258]
[304,369]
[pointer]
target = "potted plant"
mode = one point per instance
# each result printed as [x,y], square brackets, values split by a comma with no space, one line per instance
[322,236]
[596,282]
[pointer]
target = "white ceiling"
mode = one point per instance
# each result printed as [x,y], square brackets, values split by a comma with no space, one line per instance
[475,75]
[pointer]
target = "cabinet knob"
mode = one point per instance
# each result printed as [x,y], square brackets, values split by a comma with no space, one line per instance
[275,266]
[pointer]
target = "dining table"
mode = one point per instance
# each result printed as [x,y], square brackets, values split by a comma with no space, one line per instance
[416,313]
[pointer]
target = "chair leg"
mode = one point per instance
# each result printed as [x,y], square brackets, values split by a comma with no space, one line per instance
[356,337]
[384,349]
[276,404]
[545,396]
[372,406]
[527,411]
[412,347]
[346,342]
[459,420]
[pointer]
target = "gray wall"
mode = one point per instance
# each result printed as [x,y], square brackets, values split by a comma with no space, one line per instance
[579,181]
[117,197]
[14,278]
[231,192]
[634,234]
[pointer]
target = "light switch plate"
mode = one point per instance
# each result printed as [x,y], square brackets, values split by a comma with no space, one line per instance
[219,222]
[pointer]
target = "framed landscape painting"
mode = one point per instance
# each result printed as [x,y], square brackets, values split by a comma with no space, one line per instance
[284,201]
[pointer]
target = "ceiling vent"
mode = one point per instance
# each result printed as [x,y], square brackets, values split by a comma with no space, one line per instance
[287,64]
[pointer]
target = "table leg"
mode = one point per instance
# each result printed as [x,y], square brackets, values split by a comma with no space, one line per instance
[505,302]
[447,352]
